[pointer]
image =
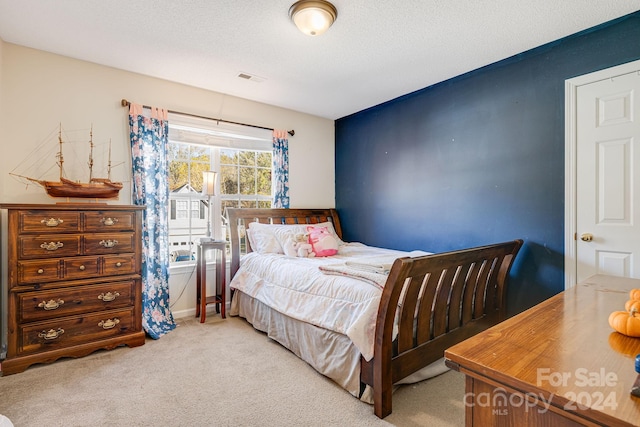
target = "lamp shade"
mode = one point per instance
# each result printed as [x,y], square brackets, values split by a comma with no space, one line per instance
[313,17]
[209,183]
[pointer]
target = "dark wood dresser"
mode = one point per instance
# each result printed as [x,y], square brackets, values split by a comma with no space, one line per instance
[72,280]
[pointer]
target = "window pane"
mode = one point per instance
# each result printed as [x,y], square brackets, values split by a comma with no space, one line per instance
[264,204]
[178,174]
[200,154]
[247,158]
[195,208]
[196,175]
[247,181]
[264,182]
[228,179]
[228,157]
[177,151]
[247,204]
[264,159]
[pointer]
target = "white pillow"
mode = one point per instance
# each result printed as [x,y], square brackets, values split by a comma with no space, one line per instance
[286,234]
[262,239]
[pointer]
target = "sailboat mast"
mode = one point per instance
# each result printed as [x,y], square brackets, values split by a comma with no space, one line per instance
[59,155]
[91,153]
[109,162]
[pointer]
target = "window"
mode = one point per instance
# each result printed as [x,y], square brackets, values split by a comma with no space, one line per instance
[245,178]
[242,158]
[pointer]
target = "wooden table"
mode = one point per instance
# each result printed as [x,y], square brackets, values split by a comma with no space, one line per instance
[556,364]
[219,297]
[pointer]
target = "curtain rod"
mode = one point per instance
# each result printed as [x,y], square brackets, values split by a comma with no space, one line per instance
[291,132]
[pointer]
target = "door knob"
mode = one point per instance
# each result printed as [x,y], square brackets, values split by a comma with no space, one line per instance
[586,237]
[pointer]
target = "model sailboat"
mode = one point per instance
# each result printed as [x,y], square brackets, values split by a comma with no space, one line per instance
[98,188]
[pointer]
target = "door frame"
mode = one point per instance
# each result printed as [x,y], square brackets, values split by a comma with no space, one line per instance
[570,153]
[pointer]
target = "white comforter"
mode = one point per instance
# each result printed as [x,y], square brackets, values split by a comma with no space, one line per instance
[298,288]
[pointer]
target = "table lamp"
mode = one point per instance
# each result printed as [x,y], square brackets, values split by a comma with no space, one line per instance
[208,189]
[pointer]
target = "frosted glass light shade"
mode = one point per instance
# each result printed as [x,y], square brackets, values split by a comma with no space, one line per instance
[313,17]
[209,183]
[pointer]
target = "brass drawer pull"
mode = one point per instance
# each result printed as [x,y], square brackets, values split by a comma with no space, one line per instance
[118,264]
[109,221]
[52,246]
[51,334]
[82,268]
[52,222]
[109,296]
[108,243]
[109,324]
[40,271]
[51,304]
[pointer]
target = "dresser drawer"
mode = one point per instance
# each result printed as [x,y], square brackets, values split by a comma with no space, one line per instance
[55,245]
[74,330]
[108,243]
[44,270]
[48,221]
[81,267]
[40,270]
[42,305]
[105,221]
[119,264]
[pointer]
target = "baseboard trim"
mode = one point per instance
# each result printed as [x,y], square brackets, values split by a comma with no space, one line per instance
[191,312]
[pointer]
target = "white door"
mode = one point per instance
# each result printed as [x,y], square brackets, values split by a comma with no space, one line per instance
[608,177]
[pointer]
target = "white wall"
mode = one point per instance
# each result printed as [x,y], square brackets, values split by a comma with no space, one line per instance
[1,93]
[39,90]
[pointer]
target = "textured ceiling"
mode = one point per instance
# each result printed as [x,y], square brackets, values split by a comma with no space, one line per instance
[377,50]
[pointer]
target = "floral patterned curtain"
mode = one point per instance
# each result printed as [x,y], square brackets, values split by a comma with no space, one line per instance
[149,139]
[280,181]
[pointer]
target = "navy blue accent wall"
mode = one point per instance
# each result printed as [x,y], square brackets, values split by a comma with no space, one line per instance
[477,159]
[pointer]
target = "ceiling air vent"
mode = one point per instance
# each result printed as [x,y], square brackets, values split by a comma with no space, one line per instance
[251,77]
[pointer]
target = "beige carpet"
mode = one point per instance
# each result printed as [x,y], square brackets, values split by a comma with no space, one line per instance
[220,373]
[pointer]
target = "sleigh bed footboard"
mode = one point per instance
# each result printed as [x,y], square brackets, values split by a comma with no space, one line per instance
[435,301]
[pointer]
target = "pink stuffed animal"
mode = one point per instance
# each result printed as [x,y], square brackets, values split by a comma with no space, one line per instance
[322,241]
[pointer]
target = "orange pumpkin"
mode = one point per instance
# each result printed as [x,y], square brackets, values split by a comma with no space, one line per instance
[626,322]
[634,294]
[631,304]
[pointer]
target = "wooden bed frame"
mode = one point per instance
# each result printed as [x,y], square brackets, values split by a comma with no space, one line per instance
[437,300]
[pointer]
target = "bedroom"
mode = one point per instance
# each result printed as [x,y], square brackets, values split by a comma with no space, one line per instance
[41,89]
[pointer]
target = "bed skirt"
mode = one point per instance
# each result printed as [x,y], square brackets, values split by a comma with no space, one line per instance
[330,353]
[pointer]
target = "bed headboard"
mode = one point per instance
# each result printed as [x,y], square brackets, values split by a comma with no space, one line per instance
[239,219]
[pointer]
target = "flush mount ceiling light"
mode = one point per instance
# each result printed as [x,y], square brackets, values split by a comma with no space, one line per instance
[313,17]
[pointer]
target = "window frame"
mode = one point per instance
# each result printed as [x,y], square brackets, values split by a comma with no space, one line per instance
[211,135]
